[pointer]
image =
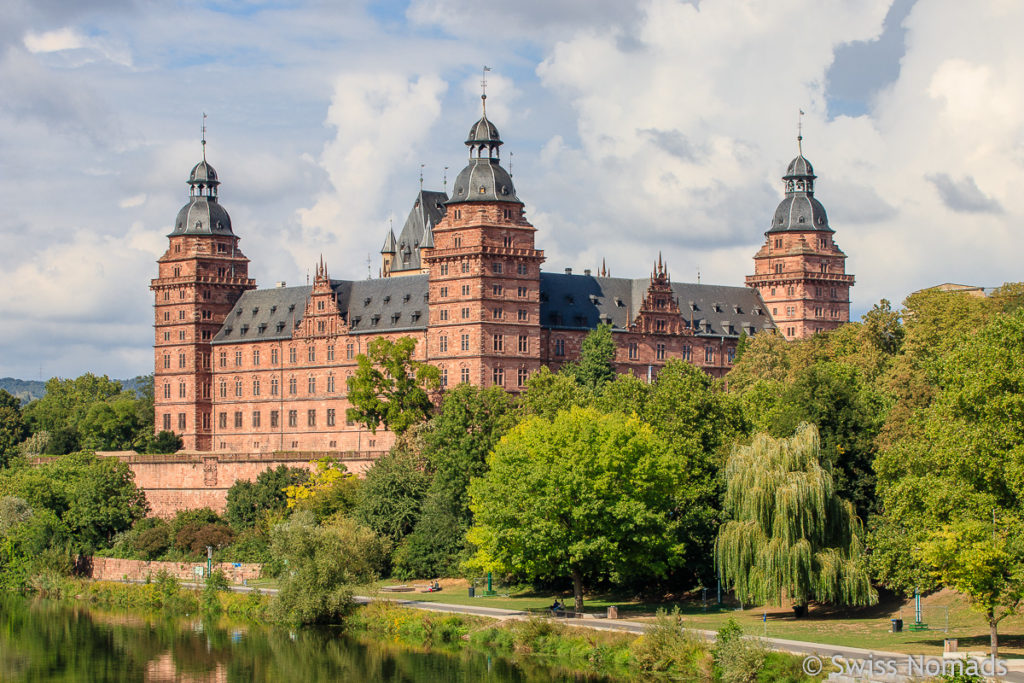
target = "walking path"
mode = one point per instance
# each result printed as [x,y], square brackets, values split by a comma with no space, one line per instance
[821,653]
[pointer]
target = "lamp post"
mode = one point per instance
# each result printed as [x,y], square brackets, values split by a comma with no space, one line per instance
[209,560]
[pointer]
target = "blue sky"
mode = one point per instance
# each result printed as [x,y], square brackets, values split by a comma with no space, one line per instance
[634,128]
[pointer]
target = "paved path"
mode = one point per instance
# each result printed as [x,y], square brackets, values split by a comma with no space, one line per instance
[797,647]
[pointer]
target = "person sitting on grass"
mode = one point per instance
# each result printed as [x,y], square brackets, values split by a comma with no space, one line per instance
[435,587]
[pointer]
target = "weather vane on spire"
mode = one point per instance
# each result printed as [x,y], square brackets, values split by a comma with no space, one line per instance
[483,87]
[421,175]
[204,136]
[800,132]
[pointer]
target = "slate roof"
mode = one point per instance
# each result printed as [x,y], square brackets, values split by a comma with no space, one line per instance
[580,302]
[569,302]
[427,210]
[370,306]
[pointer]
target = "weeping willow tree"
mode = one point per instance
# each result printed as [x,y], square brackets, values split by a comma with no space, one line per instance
[790,534]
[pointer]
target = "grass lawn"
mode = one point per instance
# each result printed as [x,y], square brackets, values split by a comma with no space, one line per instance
[865,628]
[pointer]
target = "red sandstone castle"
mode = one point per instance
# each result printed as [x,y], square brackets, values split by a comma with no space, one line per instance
[253,371]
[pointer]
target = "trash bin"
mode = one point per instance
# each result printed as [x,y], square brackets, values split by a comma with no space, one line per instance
[613,612]
[897,625]
[472,591]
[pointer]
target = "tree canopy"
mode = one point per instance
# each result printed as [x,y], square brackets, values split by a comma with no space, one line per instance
[389,388]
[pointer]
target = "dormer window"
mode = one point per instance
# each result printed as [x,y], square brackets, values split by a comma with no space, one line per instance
[387,299]
[366,301]
[255,310]
[405,298]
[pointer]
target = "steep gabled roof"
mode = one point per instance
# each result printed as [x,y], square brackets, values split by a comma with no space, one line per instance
[427,210]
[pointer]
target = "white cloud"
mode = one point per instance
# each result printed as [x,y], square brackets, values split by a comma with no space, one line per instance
[133,201]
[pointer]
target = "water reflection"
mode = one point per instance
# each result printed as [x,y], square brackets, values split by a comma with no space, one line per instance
[57,641]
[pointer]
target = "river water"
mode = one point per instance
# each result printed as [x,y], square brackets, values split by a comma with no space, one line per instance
[42,640]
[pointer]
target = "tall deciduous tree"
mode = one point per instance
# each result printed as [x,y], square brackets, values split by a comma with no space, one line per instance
[12,427]
[790,534]
[389,388]
[984,563]
[583,495]
[595,366]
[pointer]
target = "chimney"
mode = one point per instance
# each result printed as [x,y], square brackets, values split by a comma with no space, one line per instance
[279,284]
[568,271]
[586,271]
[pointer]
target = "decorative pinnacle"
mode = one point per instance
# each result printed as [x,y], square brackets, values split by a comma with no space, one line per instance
[421,175]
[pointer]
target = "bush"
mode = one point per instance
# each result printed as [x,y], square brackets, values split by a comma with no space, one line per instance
[248,501]
[195,537]
[667,647]
[738,659]
[153,542]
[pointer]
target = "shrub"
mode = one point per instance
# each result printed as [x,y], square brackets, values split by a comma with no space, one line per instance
[153,542]
[738,659]
[250,500]
[195,537]
[667,647]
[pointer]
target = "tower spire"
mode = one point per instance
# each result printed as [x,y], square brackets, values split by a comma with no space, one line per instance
[483,88]
[800,132]
[204,136]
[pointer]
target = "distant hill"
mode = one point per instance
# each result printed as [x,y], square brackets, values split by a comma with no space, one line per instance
[30,389]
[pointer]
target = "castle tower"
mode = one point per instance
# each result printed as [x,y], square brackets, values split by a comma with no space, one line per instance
[800,272]
[484,275]
[200,277]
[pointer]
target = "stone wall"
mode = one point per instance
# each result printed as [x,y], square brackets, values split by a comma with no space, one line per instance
[181,481]
[115,569]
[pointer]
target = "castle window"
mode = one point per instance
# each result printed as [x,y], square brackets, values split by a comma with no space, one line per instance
[457,240]
[167,295]
[223,389]
[457,213]
[273,386]
[167,316]
[824,267]
[778,243]
[497,290]
[256,419]
[465,313]
[205,335]
[311,385]
[222,420]
[732,355]
[833,293]
[465,266]
[255,356]
[181,315]
[559,347]
[521,292]
[687,353]
[498,314]
[524,344]
[238,419]
[293,418]
[350,351]
[817,311]
[206,422]
[291,355]
[659,325]
[775,310]
[275,419]
[521,268]
[791,290]
[464,342]
[659,352]
[709,354]
[167,336]
[167,422]
[177,271]
[273,356]
[464,375]
[778,267]
[634,351]
[293,386]
[177,248]
[330,384]
[498,376]
[465,290]
[507,215]
[181,293]
[256,386]
[319,305]
[521,376]
[321,326]
[167,390]
[331,419]
[181,360]
[238,387]
[444,269]
[444,292]
[330,352]
[311,354]
[442,314]
[442,344]
[311,417]
[499,342]
[496,267]
[444,377]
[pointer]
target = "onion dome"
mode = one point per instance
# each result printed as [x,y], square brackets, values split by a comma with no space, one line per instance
[203,215]
[483,179]
[800,211]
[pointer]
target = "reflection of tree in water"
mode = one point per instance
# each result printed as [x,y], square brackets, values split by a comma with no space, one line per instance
[51,641]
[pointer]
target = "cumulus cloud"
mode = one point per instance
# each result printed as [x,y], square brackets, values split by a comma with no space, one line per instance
[963,195]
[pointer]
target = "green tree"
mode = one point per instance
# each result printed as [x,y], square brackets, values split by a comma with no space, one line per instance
[249,500]
[392,493]
[789,532]
[389,388]
[324,562]
[985,564]
[455,443]
[165,441]
[586,494]
[64,406]
[596,364]
[12,427]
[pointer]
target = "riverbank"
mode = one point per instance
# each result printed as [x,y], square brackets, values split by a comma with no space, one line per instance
[664,650]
